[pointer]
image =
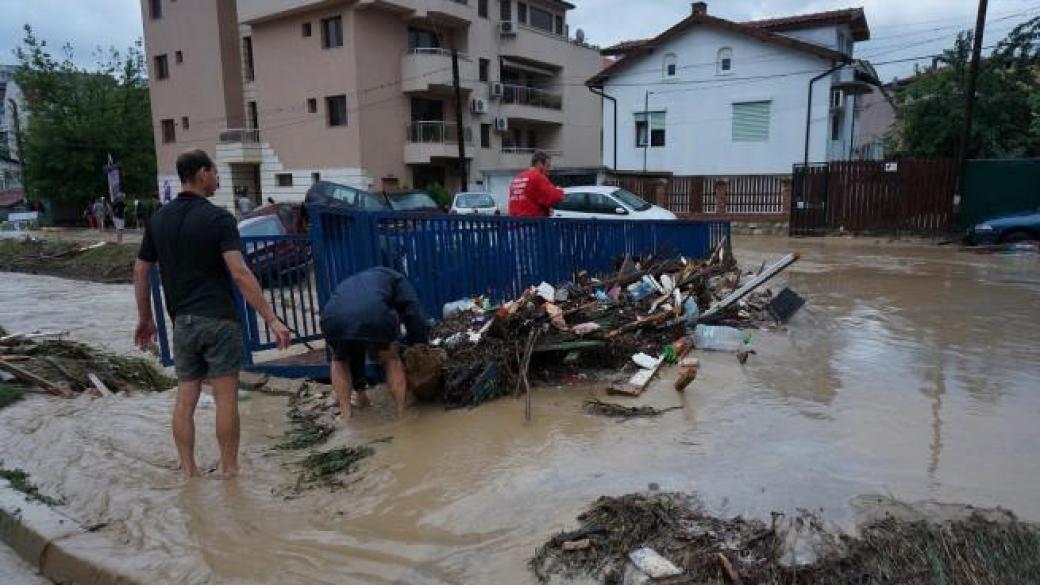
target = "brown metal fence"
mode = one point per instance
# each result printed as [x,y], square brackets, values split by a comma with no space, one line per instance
[907,195]
[763,197]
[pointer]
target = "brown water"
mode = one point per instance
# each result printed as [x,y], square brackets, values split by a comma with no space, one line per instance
[913,371]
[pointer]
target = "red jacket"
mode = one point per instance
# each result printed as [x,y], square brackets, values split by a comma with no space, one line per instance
[531,194]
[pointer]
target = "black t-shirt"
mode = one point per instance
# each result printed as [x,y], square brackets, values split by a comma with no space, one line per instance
[118,209]
[188,238]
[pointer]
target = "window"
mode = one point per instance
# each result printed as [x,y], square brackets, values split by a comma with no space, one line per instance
[559,25]
[505,9]
[574,202]
[162,67]
[178,57]
[283,179]
[169,132]
[247,57]
[751,122]
[541,19]
[484,65]
[315,177]
[669,66]
[312,106]
[841,42]
[600,203]
[184,123]
[656,129]
[419,38]
[836,125]
[336,106]
[254,115]
[724,63]
[155,7]
[521,12]
[485,135]
[482,8]
[332,32]
[306,28]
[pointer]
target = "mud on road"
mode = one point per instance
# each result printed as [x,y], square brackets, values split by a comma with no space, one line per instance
[911,371]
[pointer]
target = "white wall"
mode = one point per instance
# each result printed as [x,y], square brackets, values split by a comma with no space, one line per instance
[698,105]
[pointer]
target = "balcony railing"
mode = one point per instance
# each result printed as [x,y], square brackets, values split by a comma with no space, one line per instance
[437,132]
[528,150]
[243,135]
[435,51]
[531,96]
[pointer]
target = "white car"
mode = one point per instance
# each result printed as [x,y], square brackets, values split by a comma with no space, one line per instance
[474,202]
[606,202]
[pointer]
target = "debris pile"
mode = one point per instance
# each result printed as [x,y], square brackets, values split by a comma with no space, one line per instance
[632,538]
[103,262]
[46,362]
[618,322]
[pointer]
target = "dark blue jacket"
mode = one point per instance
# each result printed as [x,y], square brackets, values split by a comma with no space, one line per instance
[370,306]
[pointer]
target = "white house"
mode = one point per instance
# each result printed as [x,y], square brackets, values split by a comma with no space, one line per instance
[724,97]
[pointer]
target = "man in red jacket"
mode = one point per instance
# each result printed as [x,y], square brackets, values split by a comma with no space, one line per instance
[531,194]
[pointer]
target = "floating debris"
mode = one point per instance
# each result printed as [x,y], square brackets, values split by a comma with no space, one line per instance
[601,408]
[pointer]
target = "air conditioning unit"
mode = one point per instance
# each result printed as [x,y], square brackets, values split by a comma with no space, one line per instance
[479,106]
[501,124]
[506,28]
[497,89]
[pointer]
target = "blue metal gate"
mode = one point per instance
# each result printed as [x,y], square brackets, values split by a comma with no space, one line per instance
[446,257]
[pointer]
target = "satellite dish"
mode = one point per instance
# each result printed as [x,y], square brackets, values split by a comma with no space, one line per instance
[579,36]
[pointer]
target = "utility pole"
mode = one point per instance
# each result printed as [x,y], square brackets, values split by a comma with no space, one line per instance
[969,97]
[646,126]
[18,143]
[461,135]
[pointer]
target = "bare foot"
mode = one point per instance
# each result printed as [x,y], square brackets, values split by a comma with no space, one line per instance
[360,399]
[188,471]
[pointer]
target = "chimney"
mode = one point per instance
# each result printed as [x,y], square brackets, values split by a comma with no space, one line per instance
[700,8]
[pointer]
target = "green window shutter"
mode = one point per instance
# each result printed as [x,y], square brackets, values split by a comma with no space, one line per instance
[751,122]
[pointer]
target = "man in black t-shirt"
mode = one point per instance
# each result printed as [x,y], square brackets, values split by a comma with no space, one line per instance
[196,245]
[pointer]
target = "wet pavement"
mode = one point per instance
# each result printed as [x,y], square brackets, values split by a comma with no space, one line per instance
[15,571]
[911,371]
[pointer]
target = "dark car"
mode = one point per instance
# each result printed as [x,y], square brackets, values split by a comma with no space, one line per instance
[274,261]
[290,214]
[1001,229]
[338,195]
[412,202]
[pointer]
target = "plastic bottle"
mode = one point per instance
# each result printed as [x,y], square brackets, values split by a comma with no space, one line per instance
[719,338]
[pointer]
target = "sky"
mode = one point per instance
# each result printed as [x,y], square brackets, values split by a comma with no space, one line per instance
[899,28]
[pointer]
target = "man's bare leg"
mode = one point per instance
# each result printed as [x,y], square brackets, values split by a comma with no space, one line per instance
[184,425]
[395,378]
[225,394]
[342,386]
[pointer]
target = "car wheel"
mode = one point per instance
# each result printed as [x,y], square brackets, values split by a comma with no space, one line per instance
[1017,236]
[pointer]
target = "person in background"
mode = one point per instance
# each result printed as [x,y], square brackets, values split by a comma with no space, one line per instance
[88,214]
[100,213]
[119,215]
[198,249]
[532,194]
[364,316]
[139,215]
[244,205]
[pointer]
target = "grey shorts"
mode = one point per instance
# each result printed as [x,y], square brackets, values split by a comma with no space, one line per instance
[205,347]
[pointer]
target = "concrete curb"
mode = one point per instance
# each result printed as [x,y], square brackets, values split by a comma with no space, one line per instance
[57,546]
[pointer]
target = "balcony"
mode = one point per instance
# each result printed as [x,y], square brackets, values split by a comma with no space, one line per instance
[446,12]
[521,102]
[426,141]
[519,157]
[239,145]
[428,70]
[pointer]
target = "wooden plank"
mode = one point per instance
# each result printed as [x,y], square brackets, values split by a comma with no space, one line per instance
[31,378]
[638,383]
[752,284]
[99,384]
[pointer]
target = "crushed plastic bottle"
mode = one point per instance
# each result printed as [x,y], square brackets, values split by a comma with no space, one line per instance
[691,312]
[720,338]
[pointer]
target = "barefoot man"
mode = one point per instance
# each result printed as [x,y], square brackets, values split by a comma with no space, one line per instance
[197,247]
[364,316]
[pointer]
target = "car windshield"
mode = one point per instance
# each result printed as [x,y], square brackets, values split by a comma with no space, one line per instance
[370,201]
[474,200]
[631,199]
[412,202]
[261,226]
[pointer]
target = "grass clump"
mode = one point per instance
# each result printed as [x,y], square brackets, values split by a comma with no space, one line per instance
[10,394]
[19,480]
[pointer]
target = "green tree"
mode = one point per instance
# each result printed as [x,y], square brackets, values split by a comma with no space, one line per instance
[77,117]
[930,110]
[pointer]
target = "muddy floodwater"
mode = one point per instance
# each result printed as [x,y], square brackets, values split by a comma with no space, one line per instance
[913,370]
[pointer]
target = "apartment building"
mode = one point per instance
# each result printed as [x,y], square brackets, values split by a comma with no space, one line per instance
[287,92]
